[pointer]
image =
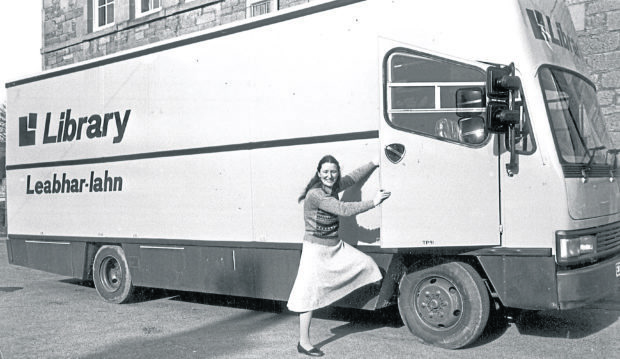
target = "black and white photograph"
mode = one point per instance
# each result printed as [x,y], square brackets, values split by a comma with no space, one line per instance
[310,178]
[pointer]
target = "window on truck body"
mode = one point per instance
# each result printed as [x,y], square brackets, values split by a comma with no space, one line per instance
[420,94]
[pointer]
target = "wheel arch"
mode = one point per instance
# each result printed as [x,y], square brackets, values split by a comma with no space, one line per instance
[89,257]
[523,280]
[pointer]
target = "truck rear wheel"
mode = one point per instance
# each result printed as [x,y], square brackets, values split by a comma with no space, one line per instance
[447,305]
[111,275]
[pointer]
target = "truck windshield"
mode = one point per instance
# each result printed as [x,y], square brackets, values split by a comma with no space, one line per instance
[576,119]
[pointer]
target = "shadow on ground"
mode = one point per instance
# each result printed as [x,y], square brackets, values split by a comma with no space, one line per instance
[358,321]
[570,324]
[220,338]
[567,324]
[231,335]
[10,289]
[79,282]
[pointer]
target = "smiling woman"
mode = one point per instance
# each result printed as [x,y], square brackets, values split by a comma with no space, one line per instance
[329,269]
[328,174]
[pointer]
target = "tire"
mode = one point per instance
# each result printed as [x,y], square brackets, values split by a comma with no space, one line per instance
[447,305]
[111,275]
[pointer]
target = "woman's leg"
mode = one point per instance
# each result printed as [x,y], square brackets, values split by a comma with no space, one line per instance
[304,329]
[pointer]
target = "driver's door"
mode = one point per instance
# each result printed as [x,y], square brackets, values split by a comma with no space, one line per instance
[445,191]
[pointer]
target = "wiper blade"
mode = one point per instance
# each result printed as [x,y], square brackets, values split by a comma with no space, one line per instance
[592,153]
[585,171]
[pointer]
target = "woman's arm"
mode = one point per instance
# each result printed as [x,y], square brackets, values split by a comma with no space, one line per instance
[353,177]
[337,207]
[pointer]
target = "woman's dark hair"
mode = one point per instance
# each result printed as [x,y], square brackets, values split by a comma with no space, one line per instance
[316,181]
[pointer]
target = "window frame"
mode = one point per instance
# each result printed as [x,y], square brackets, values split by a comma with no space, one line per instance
[138,8]
[96,7]
[572,169]
[273,6]
[388,85]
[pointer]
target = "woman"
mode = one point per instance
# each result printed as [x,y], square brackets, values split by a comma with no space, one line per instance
[329,268]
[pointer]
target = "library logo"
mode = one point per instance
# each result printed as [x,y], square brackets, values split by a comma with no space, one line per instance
[68,129]
[27,129]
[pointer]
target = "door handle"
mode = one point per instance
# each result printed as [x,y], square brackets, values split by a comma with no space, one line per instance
[395,152]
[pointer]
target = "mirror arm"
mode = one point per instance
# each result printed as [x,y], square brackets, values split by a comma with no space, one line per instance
[505,109]
[512,168]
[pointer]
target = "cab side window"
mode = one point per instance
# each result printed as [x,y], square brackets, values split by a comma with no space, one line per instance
[420,94]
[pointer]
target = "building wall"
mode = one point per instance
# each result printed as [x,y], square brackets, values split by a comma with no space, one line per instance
[68,36]
[598,25]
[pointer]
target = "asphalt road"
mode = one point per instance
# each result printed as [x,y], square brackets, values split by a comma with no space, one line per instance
[44,315]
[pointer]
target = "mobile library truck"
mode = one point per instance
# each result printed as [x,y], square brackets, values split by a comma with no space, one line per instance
[178,165]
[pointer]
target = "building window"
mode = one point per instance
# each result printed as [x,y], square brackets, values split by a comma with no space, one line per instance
[104,14]
[260,7]
[420,94]
[146,7]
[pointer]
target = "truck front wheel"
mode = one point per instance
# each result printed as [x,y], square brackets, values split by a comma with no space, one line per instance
[446,305]
[111,275]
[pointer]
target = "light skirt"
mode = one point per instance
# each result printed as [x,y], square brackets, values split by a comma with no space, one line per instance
[328,273]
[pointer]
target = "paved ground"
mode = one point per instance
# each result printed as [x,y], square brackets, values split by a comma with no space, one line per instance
[44,315]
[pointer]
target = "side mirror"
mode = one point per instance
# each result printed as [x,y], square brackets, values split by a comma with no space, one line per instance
[501,80]
[470,101]
[502,84]
[504,111]
[501,118]
[472,130]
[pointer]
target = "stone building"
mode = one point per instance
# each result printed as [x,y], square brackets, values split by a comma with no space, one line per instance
[79,30]
[598,24]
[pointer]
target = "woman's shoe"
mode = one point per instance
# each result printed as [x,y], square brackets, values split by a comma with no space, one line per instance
[314,352]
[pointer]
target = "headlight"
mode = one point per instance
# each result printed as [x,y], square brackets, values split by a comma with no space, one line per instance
[571,248]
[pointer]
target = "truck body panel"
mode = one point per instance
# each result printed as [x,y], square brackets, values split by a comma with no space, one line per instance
[190,154]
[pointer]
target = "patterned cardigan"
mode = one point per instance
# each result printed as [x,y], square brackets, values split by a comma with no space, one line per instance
[322,208]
